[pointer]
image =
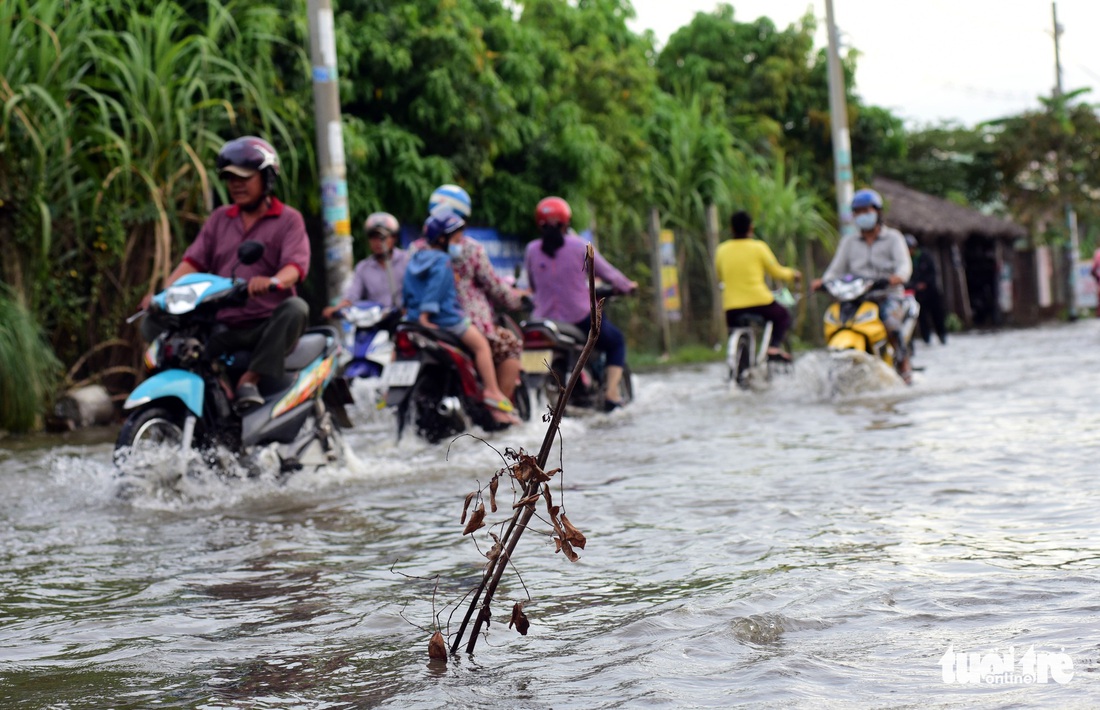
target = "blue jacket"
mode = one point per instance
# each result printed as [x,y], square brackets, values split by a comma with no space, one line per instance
[430,288]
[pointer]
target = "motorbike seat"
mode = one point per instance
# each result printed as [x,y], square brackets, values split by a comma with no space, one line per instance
[565,331]
[310,346]
[749,320]
[436,333]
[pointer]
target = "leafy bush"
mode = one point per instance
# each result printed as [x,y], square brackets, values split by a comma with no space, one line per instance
[28,368]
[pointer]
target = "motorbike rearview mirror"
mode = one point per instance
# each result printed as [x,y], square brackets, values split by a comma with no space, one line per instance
[249,252]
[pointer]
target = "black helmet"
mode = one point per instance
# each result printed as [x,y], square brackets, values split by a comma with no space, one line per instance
[249,155]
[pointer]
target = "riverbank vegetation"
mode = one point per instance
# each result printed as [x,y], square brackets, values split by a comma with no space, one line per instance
[28,368]
[114,109]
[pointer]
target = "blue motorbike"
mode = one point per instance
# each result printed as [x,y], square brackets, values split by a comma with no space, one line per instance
[367,338]
[187,403]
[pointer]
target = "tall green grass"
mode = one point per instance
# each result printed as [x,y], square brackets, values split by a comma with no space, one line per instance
[28,368]
[111,112]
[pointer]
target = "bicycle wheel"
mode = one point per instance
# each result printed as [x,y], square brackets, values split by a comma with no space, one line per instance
[742,361]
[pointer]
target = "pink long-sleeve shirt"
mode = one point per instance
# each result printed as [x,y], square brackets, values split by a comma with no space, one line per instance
[560,283]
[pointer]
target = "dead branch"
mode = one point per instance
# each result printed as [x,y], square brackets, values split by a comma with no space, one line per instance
[532,487]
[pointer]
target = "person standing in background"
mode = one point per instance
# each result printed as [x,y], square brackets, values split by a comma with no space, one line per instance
[927,291]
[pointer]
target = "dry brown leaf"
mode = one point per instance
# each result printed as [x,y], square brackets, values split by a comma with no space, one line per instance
[526,501]
[568,550]
[437,647]
[466,505]
[495,550]
[549,500]
[519,619]
[493,493]
[572,534]
[524,468]
[527,468]
[477,520]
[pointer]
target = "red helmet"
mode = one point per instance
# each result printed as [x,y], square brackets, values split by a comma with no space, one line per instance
[553,210]
[249,155]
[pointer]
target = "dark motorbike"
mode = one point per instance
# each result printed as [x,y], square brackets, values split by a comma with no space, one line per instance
[186,405]
[434,385]
[551,350]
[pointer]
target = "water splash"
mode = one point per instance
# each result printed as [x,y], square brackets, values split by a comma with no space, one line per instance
[826,375]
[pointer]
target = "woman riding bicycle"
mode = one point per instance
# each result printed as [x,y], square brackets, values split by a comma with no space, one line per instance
[741,263]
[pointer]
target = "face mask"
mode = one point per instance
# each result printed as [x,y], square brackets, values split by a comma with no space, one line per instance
[866,221]
[455,250]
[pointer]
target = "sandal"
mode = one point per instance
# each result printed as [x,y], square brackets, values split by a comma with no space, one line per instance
[503,419]
[501,405]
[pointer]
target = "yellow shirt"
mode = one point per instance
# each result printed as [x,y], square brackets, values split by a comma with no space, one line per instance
[741,265]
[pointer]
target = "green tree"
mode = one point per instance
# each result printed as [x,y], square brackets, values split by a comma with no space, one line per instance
[1049,159]
[774,88]
[950,161]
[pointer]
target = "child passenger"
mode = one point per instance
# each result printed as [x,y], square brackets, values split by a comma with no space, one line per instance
[432,300]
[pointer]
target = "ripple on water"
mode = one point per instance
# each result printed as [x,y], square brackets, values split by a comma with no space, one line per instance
[789,545]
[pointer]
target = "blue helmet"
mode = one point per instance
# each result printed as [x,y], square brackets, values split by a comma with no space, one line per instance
[442,222]
[866,198]
[452,197]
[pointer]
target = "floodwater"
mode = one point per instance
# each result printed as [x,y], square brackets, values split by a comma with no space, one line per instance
[793,546]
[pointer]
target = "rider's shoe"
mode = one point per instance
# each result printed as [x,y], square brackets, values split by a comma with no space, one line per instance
[248,396]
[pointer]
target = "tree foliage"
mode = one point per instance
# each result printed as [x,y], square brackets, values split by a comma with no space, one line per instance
[1029,166]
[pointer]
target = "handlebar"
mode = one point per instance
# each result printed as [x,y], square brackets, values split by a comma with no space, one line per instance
[607,290]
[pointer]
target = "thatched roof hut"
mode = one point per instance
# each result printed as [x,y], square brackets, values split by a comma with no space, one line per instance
[982,275]
[928,217]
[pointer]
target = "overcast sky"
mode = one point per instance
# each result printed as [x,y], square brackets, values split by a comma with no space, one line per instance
[933,60]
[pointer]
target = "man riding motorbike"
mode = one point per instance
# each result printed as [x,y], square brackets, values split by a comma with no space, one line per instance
[555,271]
[380,276]
[274,317]
[877,252]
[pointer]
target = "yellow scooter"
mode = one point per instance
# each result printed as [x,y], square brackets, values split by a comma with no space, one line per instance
[853,322]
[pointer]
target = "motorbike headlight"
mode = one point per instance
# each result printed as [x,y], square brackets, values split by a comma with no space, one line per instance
[867,316]
[364,317]
[847,290]
[183,299]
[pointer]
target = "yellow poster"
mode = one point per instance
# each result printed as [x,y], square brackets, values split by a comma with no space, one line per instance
[670,279]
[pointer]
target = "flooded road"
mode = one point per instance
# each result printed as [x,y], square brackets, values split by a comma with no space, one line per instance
[793,546]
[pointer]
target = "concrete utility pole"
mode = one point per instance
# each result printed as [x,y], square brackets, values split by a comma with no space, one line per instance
[1071,214]
[655,245]
[717,313]
[838,117]
[330,147]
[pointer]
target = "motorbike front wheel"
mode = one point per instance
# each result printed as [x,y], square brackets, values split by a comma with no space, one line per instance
[145,432]
[626,386]
[150,427]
